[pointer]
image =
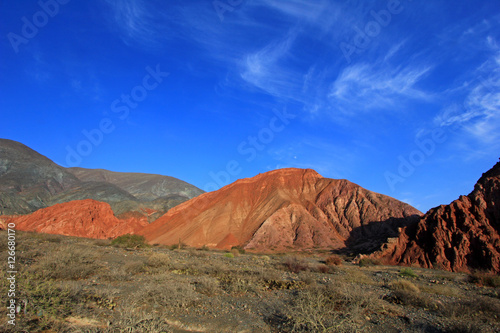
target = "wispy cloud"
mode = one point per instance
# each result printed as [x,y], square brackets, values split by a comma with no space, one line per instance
[140,23]
[478,115]
[365,87]
[267,70]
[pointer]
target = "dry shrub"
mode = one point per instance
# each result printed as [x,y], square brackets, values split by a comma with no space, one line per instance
[132,319]
[235,252]
[332,308]
[440,289]
[369,262]
[485,279]
[134,267]
[67,263]
[158,260]
[407,293]
[486,307]
[295,264]
[207,285]
[323,269]
[333,260]
[358,277]
[404,285]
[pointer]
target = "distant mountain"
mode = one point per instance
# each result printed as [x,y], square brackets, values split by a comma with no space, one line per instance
[145,187]
[461,236]
[30,181]
[283,210]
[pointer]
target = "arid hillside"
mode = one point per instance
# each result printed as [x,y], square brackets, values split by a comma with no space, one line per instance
[282,210]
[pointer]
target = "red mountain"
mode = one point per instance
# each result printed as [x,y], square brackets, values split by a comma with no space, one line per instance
[82,218]
[461,236]
[280,210]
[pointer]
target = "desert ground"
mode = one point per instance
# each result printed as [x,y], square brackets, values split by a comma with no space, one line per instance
[70,284]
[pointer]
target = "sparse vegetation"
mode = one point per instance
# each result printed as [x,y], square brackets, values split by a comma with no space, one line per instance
[369,262]
[407,272]
[485,279]
[130,241]
[81,285]
[333,260]
[295,264]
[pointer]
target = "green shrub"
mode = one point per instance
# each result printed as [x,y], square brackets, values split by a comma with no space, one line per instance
[228,255]
[408,272]
[130,241]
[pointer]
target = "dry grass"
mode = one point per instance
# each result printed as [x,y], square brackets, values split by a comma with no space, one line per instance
[333,260]
[149,289]
[331,308]
[73,263]
[404,285]
[296,264]
[485,279]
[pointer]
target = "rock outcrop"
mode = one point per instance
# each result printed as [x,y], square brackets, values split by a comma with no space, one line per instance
[81,218]
[461,236]
[281,210]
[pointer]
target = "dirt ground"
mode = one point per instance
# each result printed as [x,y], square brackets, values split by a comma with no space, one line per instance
[68,284]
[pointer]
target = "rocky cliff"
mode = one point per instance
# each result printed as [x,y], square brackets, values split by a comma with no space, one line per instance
[461,236]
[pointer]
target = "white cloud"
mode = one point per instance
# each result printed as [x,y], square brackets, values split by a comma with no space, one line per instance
[478,116]
[364,87]
[139,23]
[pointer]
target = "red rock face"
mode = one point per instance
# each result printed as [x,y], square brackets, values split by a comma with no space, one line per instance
[278,210]
[461,236]
[82,218]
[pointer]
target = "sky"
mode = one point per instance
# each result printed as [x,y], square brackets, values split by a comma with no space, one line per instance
[400,97]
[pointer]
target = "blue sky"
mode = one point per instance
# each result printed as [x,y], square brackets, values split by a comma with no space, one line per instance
[400,97]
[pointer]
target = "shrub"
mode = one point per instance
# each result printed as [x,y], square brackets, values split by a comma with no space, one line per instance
[129,241]
[485,279]
[207,285]
[333,260]
[134,267]
[323,269]
[228,255]
[67,264]
[239,249]
[235,252]
[369,262]
[408,272]
[334,308]
[404,285]
[295,264]
[158,260]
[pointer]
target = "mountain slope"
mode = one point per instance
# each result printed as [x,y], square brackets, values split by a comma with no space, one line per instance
[30,181]
[145,187]
[277,210]
[82,218]
[461,236]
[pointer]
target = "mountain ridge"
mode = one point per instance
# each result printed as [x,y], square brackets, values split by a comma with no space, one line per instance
[284,198]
